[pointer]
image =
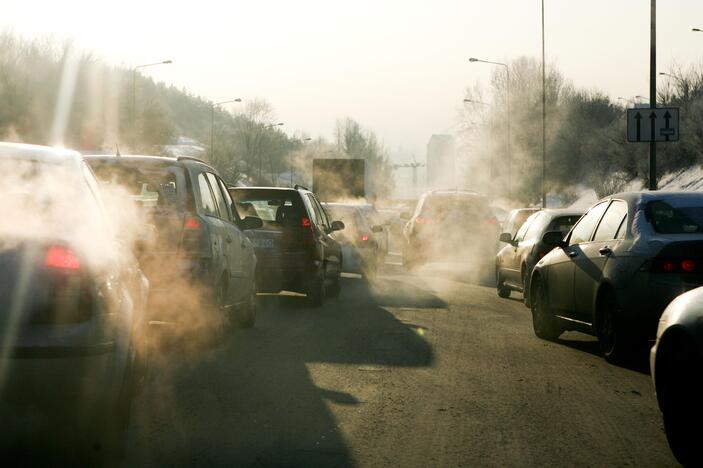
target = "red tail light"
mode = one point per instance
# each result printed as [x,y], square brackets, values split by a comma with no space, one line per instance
[306,222]
[192,223]
[364,238]
[61,258]
[673,265]
[492,221]
[422,220]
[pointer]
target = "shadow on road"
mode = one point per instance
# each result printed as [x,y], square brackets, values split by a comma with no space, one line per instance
[638,362]
[254,401]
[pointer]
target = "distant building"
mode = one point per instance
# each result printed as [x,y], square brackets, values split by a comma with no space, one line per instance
[441,162]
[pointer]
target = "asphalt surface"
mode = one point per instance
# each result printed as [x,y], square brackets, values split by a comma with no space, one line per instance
[429,369]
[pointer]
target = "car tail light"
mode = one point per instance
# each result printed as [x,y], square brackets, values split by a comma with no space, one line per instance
[61,258]
[492,221]
[364,238]
[422,220]
[674,265]
[192,223]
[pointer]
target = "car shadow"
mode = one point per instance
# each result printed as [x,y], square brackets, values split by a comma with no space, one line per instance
[255,401]
[638,361]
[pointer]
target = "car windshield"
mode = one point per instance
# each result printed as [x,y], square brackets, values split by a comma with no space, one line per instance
[666,219]
[563,223]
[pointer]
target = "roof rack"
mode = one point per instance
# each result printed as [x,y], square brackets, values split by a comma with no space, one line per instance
[298,187]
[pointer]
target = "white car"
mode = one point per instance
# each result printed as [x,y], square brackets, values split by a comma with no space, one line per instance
[676,362]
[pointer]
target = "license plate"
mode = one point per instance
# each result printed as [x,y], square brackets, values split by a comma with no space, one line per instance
[262,243]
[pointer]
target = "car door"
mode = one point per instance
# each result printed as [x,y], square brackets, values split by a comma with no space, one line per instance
[561,266]
[511,258]
[248,256]
[332,250]
[233,240]
[594,255]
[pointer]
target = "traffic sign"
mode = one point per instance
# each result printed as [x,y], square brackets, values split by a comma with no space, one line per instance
[660,124]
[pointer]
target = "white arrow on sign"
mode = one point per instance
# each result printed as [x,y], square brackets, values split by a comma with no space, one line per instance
[660,124]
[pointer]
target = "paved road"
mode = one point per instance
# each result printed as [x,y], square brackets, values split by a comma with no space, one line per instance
[421,370]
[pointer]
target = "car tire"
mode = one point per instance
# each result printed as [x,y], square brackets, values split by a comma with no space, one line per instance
[612,340]
[246,316]
[316,290]
[544,323]
[334,289]
[501,288]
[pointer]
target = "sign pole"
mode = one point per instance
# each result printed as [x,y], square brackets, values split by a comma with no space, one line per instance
[653,94]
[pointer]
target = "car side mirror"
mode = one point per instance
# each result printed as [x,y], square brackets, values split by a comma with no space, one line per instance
[377,228]
[251,222]
[554,238]
[405,215]
[336,226]
[506,237]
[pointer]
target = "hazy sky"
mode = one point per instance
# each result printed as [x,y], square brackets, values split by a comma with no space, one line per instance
[398,67]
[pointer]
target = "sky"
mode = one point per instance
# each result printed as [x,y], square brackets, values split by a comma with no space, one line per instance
[398,67]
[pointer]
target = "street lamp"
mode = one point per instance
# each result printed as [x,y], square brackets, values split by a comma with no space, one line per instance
[471,101]
[279,124]
[507,77]
[134,88]
[212,125]
[671,75]
[697,30]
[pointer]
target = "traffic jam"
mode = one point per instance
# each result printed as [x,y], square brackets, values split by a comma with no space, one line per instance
[509,273]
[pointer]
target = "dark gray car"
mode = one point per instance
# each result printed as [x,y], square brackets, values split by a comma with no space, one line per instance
[197,247]
[618,268]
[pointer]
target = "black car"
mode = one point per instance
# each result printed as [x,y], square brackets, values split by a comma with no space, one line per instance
[72,298]
[454,226]
[296,246]
[618,268]
[515,261]
[196,252]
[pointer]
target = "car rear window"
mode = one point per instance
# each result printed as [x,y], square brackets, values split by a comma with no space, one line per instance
[666,219]
[563,223]
[443,206]
[276,208]
[149,187]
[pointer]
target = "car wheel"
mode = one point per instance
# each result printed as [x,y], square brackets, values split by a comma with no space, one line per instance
[503,290]
[247,315]
[316,290]
[613,343]
[544,323]
[334,289]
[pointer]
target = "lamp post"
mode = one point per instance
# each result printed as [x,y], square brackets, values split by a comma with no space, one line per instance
[507,77]
[212,125]
[134,89]
[471,101]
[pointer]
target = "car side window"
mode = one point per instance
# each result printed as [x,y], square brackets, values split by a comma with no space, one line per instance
[206,201]
[584,228]
[222,206]
[323,213]
[319,220]
[523,229]
[537,226]
[612,219]
[228,200]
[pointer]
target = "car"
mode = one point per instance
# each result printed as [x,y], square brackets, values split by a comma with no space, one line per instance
[198,257]
[515,261]
[515,219]
[73,295]
[296,246]
[676,364]
[618,268]
[361,248]
[454,226]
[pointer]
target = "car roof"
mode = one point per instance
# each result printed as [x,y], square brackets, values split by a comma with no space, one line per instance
[558,212]
[646,195]
[143,159]
[53,155]
[282,189]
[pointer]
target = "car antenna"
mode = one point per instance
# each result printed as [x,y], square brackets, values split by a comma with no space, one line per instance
[117,153]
